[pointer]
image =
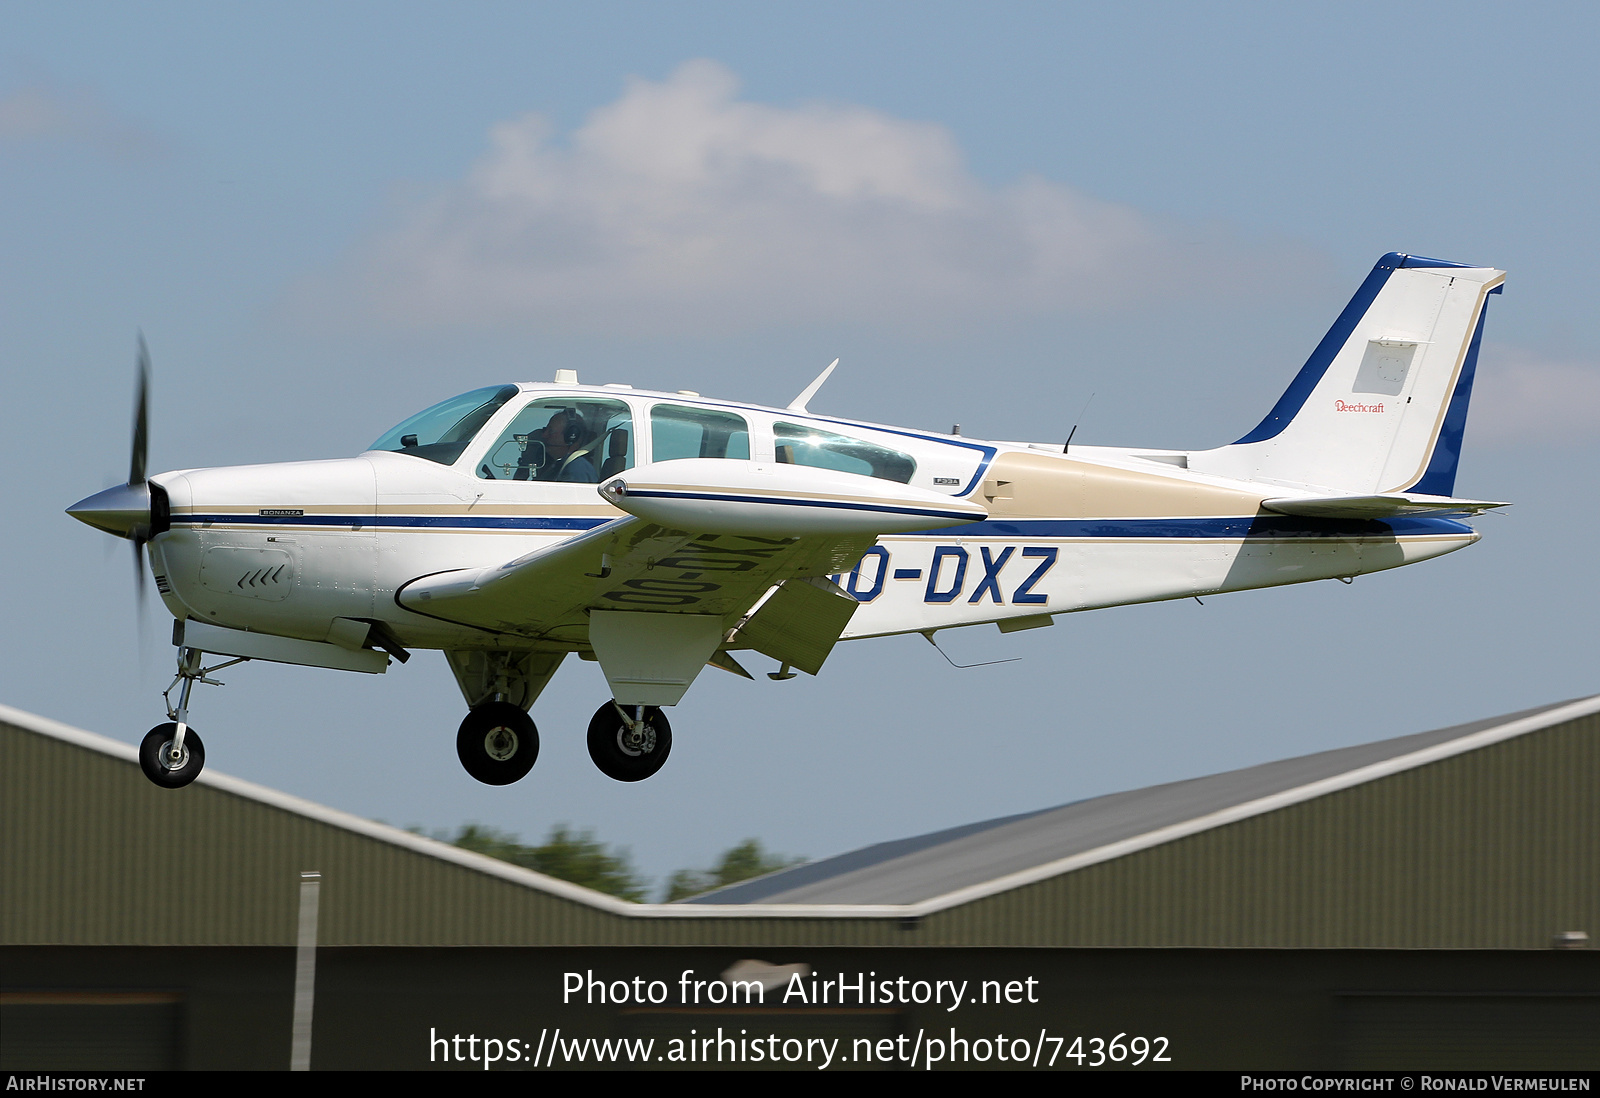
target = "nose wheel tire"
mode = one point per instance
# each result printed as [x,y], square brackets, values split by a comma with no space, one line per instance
[629,754]
[155,756]
[498,743]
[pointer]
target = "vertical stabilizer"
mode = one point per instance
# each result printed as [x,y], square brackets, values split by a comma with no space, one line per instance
[1381,404]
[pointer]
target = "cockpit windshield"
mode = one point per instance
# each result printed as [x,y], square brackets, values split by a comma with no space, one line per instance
[440,433]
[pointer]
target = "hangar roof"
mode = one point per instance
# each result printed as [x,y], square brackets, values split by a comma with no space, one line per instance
[943,865]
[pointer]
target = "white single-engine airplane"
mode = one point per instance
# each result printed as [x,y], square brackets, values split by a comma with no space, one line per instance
[661,532]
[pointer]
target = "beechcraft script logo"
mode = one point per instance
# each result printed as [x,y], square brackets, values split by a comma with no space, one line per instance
[1346,406]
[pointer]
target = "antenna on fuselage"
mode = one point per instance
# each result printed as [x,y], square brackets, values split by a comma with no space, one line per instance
[1074,430]
[927,635]
[798,404]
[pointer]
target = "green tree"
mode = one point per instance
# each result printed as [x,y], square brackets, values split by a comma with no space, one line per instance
[565,854]
[738,863]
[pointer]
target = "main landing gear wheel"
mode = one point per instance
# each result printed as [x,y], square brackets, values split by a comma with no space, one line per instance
[498,743]
[632,749]
[155,756]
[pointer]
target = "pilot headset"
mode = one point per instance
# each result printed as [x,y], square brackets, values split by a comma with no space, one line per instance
[575,430]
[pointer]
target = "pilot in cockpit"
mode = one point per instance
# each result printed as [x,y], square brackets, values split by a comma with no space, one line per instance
[567,439]
[553,440]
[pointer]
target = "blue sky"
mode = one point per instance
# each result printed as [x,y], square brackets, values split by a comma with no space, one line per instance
[325,217]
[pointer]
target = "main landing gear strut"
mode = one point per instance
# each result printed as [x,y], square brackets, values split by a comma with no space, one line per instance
[172,754]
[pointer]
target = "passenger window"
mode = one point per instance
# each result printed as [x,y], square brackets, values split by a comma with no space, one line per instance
[576,441]
[797,445]
[677,431]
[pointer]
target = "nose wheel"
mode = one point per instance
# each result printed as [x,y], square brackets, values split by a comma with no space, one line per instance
[498,743]
[168,761]
[629,743]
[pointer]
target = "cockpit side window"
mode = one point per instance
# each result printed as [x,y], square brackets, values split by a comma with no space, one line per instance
[680,431]
[440,433]
[797,445]
[577,441]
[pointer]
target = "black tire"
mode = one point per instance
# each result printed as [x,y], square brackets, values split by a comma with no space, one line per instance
[153,756]
[498,743]
[622,755]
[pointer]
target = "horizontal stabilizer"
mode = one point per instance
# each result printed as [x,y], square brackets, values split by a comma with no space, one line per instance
[1391,505]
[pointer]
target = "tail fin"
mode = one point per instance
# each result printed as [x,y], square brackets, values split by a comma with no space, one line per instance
[1381,404]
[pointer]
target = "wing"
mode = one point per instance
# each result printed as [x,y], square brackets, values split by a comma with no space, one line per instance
[655,604]
[713,554]
[629,564]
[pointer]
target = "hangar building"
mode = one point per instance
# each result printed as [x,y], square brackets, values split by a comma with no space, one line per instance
[1419,902]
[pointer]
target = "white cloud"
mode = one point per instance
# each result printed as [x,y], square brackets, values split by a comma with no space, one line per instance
[42,113]
[1521,397]
[682,207]
[32,113]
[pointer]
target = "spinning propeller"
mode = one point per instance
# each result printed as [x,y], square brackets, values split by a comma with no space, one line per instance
[136,510]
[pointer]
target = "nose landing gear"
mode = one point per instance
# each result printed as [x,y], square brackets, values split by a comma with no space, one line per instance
[171,755]
[629,743]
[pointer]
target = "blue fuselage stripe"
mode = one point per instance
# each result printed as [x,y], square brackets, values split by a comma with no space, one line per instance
[426,522]
[1239,527]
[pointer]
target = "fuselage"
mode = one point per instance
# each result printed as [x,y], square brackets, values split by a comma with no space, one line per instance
[290,548]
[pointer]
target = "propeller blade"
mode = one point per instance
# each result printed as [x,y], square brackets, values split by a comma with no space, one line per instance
[136,473]
[141,417]
[141,600]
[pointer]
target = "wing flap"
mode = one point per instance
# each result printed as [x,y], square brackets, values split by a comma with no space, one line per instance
[799,623]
